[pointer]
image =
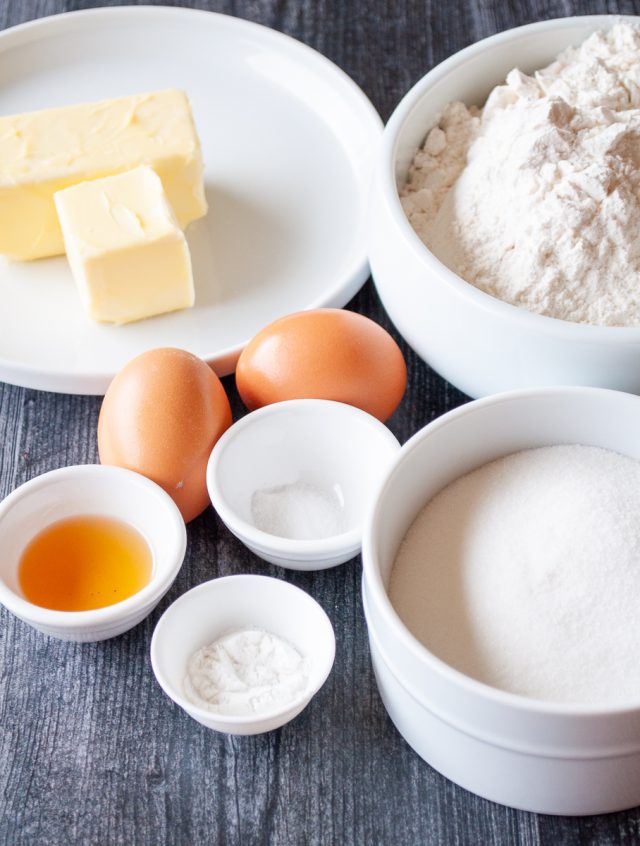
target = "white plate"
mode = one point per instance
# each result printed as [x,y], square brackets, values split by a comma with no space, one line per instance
[288,141]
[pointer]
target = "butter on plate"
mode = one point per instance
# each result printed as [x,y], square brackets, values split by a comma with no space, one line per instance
[46,151]
[127,253]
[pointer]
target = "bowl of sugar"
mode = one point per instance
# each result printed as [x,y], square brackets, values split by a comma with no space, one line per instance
[504,215]
[500,585]
[294,480]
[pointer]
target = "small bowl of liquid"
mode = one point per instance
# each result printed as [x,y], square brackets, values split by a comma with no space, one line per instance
[88,551]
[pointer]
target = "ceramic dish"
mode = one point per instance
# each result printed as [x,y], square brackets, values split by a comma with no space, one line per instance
[481,344]
[213,609]
[553,758]
[288,143]
[90,489]
[337,452]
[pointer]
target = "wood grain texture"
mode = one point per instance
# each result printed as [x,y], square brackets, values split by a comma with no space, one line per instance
[91,751]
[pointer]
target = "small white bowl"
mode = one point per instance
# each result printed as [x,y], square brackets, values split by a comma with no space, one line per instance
[479,343]
[333,447]
[210,610]
[553,758]
[90,489]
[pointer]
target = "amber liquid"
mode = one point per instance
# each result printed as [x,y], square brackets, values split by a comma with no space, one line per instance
[82,563]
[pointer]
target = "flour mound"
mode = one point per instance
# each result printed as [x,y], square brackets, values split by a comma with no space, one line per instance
[536,199]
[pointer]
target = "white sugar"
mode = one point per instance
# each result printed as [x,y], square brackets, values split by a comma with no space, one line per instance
[525,574]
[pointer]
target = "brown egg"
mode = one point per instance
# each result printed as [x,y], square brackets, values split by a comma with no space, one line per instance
[161,416]
[326,353]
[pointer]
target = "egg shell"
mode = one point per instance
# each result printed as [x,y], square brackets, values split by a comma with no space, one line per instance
[161,416]
[324,353]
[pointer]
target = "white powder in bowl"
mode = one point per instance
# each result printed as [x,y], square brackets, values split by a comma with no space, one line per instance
[246,672]
[536,199]
[525,575]
[299,511]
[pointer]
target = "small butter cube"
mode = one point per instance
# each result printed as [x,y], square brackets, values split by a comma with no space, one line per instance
[128,255]
[50,150]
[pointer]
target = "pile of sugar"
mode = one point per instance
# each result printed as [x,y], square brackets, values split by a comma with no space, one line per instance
[525,575]
[536,199]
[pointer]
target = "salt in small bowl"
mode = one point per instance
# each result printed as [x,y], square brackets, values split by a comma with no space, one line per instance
[295,467]
[231,603]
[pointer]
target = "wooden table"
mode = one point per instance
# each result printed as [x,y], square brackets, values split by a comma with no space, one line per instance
[91,750]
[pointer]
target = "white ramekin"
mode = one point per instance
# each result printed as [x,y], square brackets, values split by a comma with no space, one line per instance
[90,489]
[334,446]
[529,754]
[478,343]
[210,610]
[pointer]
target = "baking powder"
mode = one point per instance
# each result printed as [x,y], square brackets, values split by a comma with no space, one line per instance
[525,575]
[537,199]
[245,672]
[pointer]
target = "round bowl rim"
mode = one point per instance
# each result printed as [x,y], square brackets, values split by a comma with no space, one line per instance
[245,719]
[386,178]
[289,548]
[145,598]
[377,595]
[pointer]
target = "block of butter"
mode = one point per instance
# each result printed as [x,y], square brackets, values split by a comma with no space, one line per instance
[128,256]
[47,151]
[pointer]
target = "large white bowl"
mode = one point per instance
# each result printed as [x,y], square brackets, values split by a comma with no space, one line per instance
[538,756]
[478,343]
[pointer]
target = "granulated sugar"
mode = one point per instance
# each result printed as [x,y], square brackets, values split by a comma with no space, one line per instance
[536,199]
[525,575]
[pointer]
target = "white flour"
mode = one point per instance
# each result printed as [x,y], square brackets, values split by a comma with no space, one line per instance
[245,672]
[537,201]
[525,574]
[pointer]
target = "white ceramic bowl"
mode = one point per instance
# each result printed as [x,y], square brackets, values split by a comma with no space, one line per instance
[539,756]
[478,343]
[90,489]
[336,448]
[210,610]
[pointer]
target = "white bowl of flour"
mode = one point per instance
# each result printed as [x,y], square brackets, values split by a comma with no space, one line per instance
[501,575]
[504,246]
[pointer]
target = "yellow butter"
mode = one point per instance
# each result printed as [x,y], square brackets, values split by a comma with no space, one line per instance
[47,151]
[128,256]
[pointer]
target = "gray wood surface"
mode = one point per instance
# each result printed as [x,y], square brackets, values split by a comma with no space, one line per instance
[91,750]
